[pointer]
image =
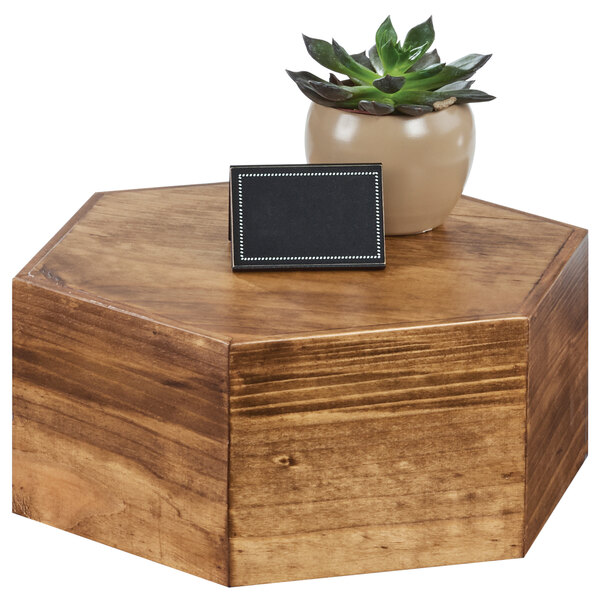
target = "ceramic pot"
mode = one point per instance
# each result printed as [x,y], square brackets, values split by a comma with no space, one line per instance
[426,159]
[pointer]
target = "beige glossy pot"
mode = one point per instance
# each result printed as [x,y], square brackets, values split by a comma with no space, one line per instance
[426,159]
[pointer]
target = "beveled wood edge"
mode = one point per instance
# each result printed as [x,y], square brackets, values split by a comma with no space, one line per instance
[167,187]
[238,340]
[550,275]
[581,239]
[58,236]
[241,344]
[119,307]
[227,540]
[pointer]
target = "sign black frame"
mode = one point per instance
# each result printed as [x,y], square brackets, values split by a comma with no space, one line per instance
[309,216]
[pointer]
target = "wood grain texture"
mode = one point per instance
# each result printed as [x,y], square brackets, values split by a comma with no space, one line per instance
[120,430]
[378,451]
[254,427]
[557,415]
[152,252]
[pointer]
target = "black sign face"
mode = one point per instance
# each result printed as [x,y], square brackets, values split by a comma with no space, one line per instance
[306,217]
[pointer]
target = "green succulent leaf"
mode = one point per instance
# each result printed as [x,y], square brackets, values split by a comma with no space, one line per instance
[458,70]
[376,108]
[375,60]
[352,68]
[405,78]
[429,98]
[448,74]
[322,52]
[464,96]
[303,76]
[389,84]
[335,58]
[385,33]
[456,85]
[413,110]
[418,40]
[304,81]
[390,56]
[312,95]
[418,97]
[425,73]
[471,62]
[330,91]
[367,92]
[427,60]
[386,43]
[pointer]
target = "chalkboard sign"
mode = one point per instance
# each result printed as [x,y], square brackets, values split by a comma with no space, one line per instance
[306,217]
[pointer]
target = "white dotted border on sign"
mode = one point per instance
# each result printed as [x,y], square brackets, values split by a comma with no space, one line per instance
[299,174]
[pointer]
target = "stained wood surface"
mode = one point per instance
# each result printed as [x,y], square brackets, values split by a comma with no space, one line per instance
[120,430]
[377,451]
[557,415]
[163,253]
[256,427]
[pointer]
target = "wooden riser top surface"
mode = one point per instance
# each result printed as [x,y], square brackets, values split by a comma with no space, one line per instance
[163,254]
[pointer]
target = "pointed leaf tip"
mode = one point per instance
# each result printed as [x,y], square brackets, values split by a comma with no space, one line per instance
[302,76]
[419,39]
[471,62]
[464,96]
[362,59]
[385,33]
[322,52]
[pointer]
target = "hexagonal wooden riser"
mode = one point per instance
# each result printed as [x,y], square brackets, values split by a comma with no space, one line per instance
[270,426]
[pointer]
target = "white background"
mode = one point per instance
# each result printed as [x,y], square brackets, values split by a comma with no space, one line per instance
[108,95]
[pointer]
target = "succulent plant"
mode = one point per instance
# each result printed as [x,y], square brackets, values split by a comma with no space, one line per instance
[392,77]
